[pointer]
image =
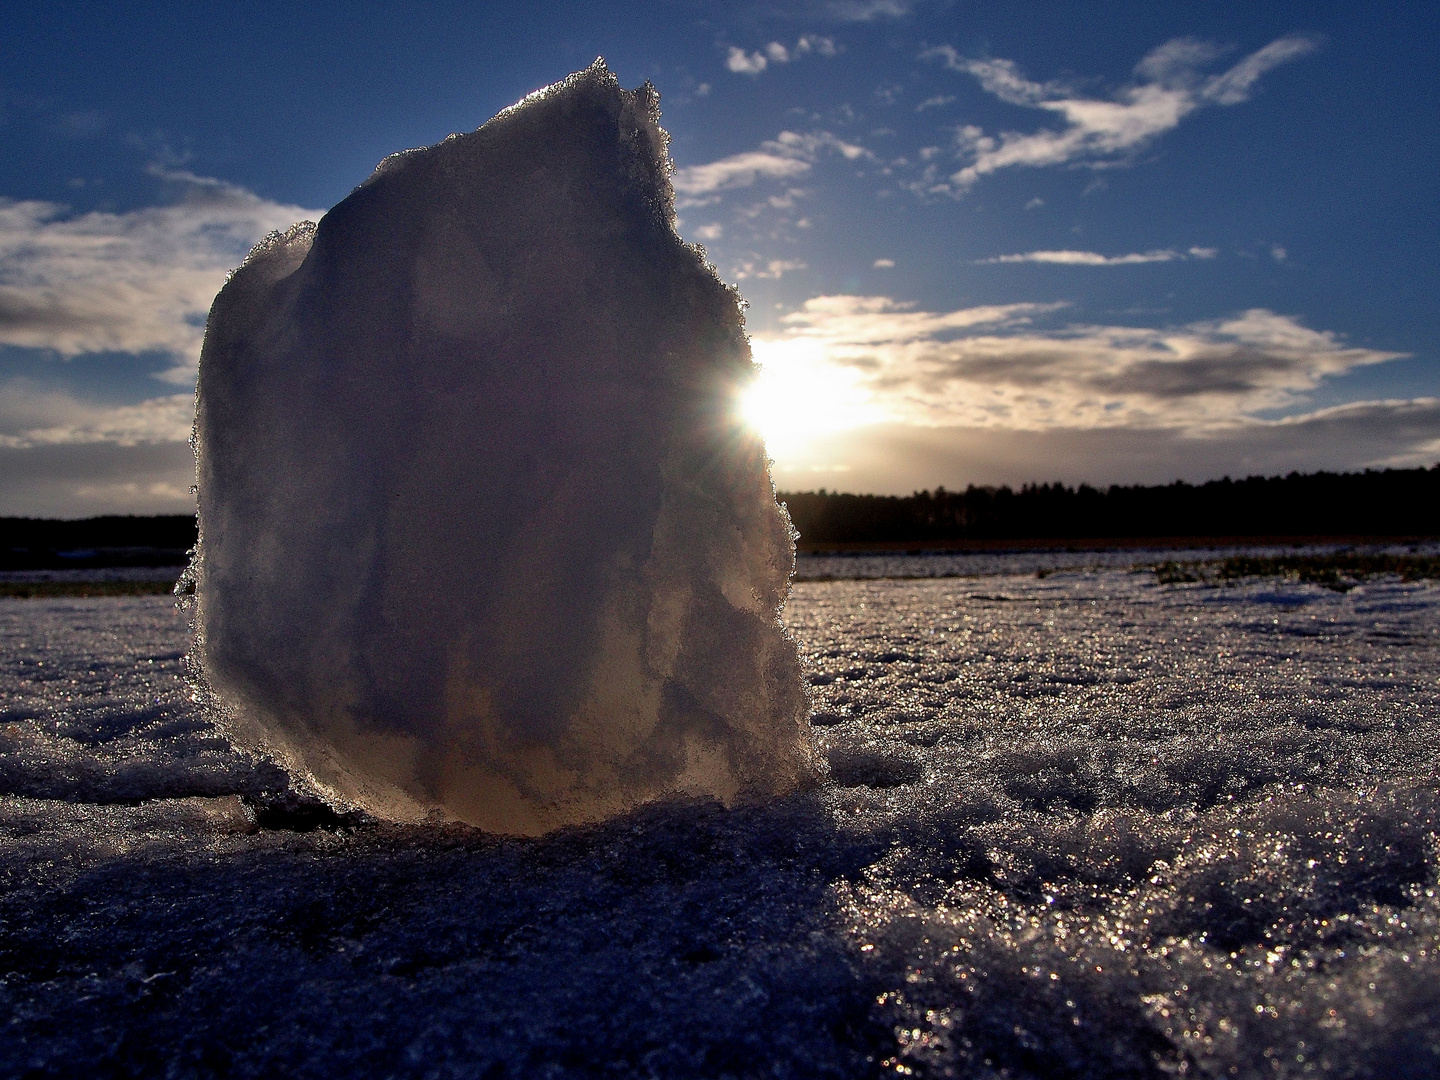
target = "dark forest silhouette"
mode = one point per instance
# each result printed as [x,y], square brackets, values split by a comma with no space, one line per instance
[1374,503]
[50,543]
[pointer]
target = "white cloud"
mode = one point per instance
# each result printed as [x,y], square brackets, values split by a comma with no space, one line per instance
[1100,130]
[713,231]
[1092,258]
[1086,258]
[32,417]
[989,367]
[787,155]
[139,281]
[935,102]
[884,264]
[737,170]
[743,63]
[753,63]
[1278,253]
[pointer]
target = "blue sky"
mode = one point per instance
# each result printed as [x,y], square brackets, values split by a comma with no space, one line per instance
[980,243]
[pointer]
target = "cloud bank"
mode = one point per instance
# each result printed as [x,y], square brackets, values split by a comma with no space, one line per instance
[899,459]
[31,417]
[85,479]
[987,395]
[139,281]
[990,367]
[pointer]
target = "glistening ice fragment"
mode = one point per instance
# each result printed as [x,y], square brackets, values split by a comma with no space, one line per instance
[479,531]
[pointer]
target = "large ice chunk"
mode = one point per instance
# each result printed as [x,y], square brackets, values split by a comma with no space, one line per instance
[479,531]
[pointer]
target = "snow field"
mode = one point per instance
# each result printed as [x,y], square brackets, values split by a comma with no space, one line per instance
[1078,826]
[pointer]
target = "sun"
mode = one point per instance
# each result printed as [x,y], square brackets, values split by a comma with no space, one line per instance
[799,395]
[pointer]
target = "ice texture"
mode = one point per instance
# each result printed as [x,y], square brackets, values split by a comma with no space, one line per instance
[1061,555]
[479,533]
[1082,826]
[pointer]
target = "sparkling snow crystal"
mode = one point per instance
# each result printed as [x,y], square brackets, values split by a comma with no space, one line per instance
[479,533]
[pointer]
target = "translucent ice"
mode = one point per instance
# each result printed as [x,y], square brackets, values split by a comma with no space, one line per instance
[478,531]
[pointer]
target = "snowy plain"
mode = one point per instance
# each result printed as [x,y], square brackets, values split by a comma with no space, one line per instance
[1078,825]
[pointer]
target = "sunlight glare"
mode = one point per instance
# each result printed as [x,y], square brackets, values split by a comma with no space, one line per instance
[799,395]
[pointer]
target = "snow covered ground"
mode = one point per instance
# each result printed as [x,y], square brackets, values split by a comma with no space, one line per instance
[1080,825]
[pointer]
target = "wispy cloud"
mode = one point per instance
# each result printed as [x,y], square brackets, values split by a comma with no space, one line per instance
[872,324]
[1169,87]
[737,170]
[771,268]
[816,43]
[1085,258]
[788,155]
[139,281]
[1236,85]
[990,366]
[1092,258]
[867,10]
[811,145]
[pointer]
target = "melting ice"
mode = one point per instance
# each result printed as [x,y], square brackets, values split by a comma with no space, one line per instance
[479,534]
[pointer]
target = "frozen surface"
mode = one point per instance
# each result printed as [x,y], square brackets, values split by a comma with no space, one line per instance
[937,564]
[480,536]
[157,574]
[1079,826]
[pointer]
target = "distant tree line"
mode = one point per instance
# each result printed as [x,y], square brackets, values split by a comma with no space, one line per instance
[1388,502]
[50,544]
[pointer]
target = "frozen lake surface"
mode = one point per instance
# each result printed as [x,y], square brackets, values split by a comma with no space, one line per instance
[861,565]
[1078,826]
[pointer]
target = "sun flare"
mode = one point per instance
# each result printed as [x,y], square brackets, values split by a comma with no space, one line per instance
[800,395]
